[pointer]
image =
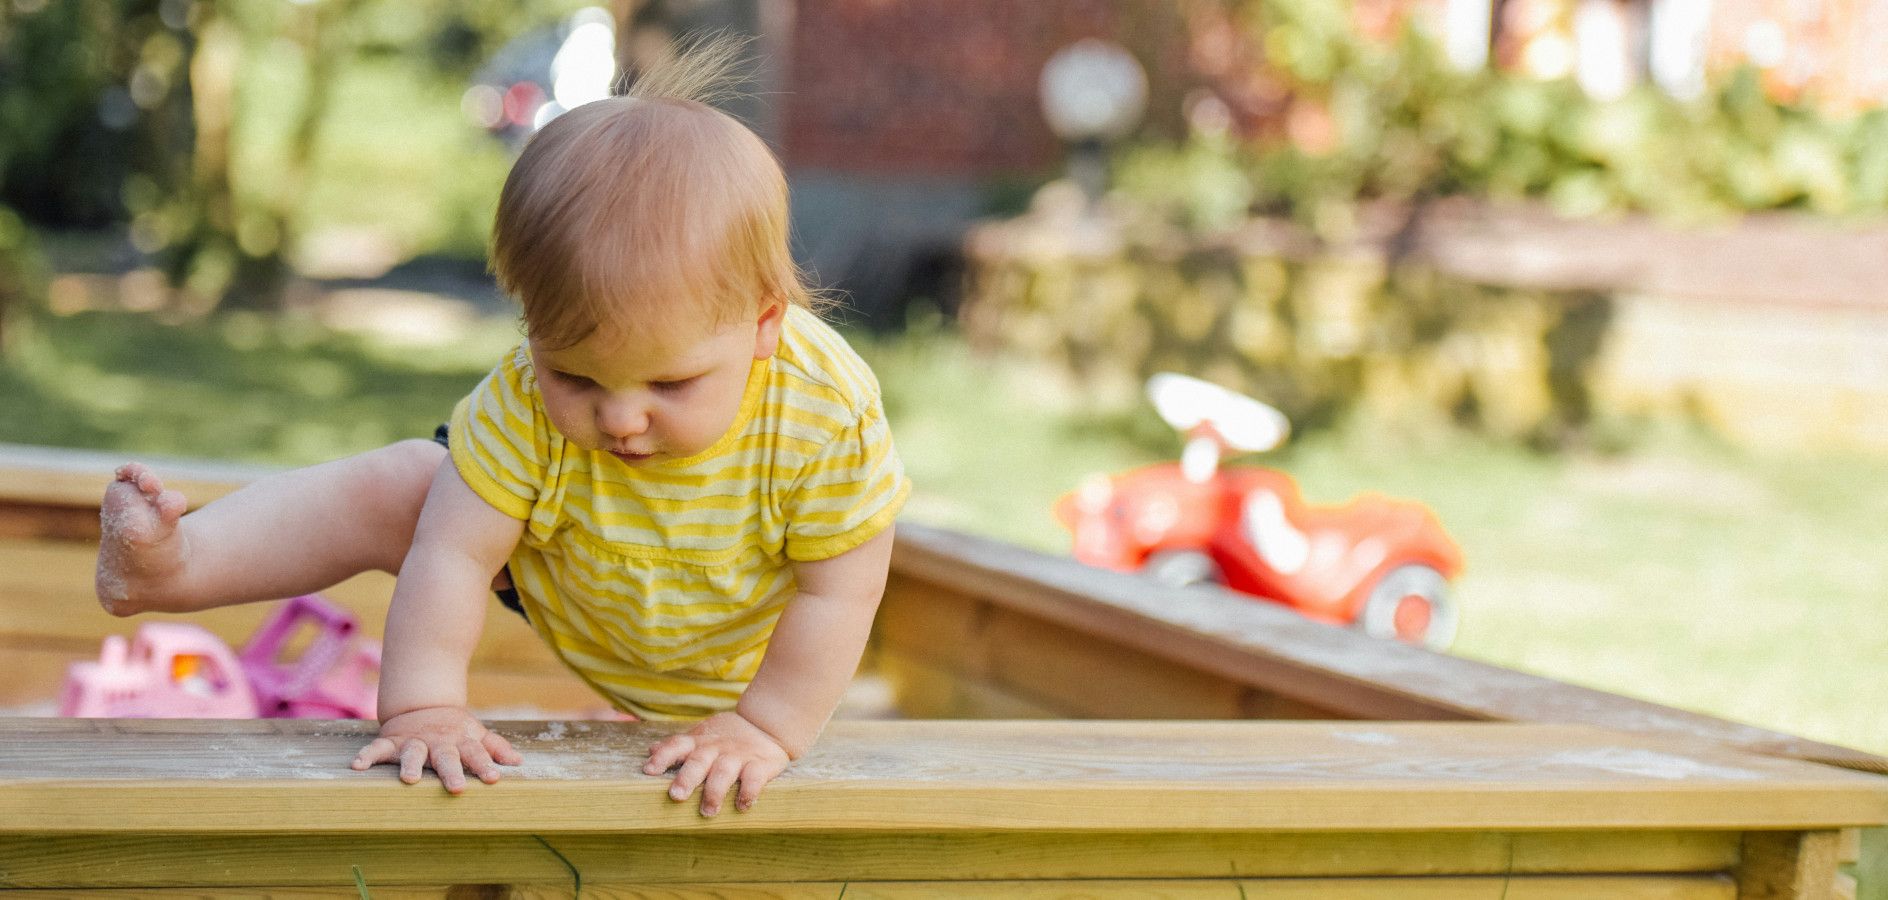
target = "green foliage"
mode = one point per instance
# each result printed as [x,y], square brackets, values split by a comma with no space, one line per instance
[1403,124]
[98,80]
[22,269]
[208,127]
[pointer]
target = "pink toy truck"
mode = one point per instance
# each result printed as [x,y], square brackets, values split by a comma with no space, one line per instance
[169,670]
[334,677]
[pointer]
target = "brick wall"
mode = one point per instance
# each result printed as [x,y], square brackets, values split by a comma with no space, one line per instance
[899,87]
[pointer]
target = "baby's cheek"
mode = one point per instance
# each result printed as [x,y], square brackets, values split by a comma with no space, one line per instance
[569,423]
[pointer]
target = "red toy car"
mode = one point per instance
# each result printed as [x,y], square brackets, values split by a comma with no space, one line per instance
[1376,563]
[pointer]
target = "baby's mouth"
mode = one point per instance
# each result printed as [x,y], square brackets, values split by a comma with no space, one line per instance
[630,457]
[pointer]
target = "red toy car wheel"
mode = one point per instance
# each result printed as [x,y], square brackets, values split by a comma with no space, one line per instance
[1412,604]
[1183,567]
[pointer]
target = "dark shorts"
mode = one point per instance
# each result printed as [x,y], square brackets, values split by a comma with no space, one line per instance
[507,596]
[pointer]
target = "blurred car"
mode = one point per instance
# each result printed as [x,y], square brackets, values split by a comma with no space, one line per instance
[539,75]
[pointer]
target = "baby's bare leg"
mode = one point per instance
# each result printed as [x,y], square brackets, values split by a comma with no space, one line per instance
[281,536]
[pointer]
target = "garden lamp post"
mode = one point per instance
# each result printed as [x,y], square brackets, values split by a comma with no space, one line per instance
[1093,93]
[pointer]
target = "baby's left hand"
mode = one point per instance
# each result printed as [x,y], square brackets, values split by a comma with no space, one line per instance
[723,749]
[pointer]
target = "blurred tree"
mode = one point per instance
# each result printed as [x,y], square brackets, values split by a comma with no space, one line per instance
[124,112]
[1353,114]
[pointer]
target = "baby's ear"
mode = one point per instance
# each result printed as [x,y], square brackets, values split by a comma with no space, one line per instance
[773,316]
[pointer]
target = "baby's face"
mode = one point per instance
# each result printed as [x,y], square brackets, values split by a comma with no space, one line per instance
[659,397]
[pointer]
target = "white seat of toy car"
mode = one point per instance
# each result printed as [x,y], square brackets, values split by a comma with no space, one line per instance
[1244,424]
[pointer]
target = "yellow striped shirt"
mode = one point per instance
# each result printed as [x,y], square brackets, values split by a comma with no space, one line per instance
[661,584]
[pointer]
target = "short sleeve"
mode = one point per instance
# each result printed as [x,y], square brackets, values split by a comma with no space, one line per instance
[848,493]
[499,439]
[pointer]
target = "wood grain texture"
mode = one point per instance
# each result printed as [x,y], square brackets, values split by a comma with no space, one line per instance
[104,775]
[1257,644]
[1614,887]
[1611,887]
[1788,866]
[236,860]
[1055,668]
[1849,845]
[925,691]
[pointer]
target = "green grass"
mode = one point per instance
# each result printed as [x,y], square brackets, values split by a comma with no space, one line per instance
[240,387]
[395,155]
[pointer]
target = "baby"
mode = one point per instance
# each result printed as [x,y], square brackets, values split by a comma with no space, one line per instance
[682,478]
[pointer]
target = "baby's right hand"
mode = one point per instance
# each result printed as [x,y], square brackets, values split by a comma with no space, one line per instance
[449,738]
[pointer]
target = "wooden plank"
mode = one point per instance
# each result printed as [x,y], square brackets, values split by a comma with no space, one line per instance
[130,860]
[1849,845]
[1788,866]
[70,775]
[1045,890]
[67,476]
[1614,887]
[1047,666]
[493,891]
[48,596]
[21,519]
[1257,644]
[924,691]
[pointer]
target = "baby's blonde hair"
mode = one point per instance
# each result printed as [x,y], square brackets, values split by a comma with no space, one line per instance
[647,211]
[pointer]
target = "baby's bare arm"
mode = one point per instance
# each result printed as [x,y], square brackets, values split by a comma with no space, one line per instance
[811,658]
[433,626]
[816,646]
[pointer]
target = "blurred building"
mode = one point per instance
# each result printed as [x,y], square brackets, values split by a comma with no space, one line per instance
[900,122]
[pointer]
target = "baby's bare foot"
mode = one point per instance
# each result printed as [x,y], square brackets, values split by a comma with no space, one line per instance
[141,551]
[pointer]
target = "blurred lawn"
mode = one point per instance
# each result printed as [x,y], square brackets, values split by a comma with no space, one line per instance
[1686,573]
[395,156]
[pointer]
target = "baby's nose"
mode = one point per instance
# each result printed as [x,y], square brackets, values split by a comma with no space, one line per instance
[622,419]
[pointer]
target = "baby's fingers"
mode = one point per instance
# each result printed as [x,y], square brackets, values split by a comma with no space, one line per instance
[446,766]
[753,778]
[721,778]
[668,752]
[472,754]
[501,749]
[378,751]
[692,773]
[412,760]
